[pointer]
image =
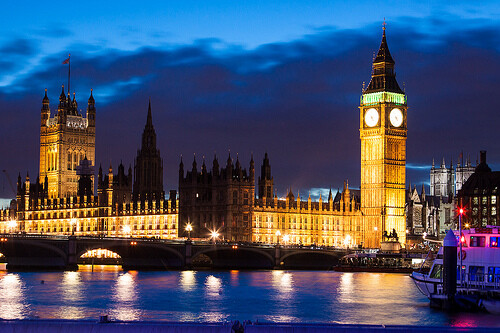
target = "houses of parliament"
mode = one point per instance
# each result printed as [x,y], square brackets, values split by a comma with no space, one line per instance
[226,198]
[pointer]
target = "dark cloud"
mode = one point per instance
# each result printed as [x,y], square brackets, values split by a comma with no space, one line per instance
[297,100]
[18,47]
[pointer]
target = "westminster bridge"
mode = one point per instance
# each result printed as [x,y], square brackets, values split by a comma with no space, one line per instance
[39,252]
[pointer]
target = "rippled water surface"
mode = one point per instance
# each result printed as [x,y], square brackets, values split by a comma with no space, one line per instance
[201,296]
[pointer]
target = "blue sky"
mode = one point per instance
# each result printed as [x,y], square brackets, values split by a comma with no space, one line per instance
[250,77]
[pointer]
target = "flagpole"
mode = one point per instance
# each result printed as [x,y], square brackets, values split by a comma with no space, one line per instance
[69,72]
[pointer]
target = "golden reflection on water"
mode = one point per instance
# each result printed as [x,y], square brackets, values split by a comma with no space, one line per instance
[213,286]
[12,297]
[71,286]
[346,288]
[125,297]
[188,280]
[282,282]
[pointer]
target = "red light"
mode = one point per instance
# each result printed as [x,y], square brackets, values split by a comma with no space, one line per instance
[462,239]
[461,211]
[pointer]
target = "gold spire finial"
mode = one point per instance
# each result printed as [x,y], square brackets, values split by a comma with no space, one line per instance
[384,24]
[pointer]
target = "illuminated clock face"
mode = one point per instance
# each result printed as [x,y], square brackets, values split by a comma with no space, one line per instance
[371,117]
[396,117]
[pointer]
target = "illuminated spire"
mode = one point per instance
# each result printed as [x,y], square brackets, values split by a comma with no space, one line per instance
[383,76]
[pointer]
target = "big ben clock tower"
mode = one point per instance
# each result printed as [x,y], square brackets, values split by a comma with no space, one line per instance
[383,131]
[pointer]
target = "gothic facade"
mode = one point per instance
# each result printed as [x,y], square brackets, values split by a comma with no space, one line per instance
[120,208]
[445,181]
[383,131]
[65,139]
[223,200]
[220,200]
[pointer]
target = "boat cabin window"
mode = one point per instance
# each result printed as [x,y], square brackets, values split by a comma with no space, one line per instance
[476,273]
[477,241]
[494,274]
[437,271]
[494,241]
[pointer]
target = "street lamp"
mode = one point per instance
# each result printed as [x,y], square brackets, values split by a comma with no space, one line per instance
[286,238]
[126,229]
[73,225]
[12,225]
[189,228]
[214,235]
[347,240]
[278,234]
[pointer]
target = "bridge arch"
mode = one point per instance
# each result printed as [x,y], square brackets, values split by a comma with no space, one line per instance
[240,257]
[310,259]
[137,254]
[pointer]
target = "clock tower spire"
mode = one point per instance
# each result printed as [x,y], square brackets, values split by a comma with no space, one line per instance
[383,132]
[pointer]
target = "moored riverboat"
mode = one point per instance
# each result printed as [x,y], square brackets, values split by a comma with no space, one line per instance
[478,271]
[380,262]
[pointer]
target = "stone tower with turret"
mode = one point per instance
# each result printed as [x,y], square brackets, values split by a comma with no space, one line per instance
[383,131]
[66,139]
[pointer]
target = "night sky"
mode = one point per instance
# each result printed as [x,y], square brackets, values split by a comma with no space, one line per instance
[252,77]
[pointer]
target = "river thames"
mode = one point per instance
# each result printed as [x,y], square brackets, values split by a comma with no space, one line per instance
[220,296]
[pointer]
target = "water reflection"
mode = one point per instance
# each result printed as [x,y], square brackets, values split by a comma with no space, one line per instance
[213,287]
[346,288]
[71,292]
[213,295]
[12,297]
[125,297]
[282,282]
[188,280]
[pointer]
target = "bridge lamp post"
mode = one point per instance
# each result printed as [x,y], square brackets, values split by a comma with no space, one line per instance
[214,235]
[286,238]
[126,230]
[73,225]
[189,228]
[12,225]
[278,234]
[347,240]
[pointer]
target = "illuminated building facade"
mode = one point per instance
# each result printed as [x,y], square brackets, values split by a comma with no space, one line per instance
[65,140]
[383,131]
[448,181]
[221,200]
[70,207]
[480,197]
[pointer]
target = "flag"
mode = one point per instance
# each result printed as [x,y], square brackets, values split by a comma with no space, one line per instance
[66,61]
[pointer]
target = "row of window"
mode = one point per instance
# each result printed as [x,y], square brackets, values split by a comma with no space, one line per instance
[480,241]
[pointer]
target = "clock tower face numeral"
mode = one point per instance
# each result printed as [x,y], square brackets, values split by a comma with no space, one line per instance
[396,117]
[371,117]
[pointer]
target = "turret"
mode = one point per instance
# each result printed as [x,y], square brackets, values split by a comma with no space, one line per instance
[252,170]
[229,167]
[215,167]
[266,182]
[91,110]
[45,112]
[194,169]
[181,171]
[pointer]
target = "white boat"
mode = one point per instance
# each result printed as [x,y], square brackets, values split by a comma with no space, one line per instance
[478,271]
